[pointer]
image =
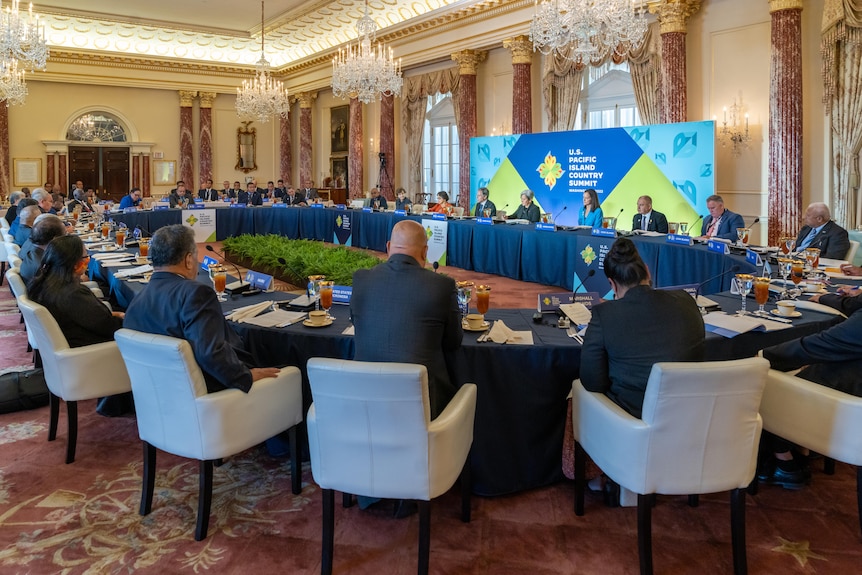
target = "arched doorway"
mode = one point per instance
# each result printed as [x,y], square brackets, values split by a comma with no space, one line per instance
[99,154]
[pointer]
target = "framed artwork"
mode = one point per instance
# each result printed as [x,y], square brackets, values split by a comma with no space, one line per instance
[338,168]
[164,172]
[27,172]
[339,119]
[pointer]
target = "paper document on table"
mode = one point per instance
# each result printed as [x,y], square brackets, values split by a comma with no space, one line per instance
[117,263]
[277,318]
[732,325]
[136,271]
[703,301]
[517,221]
[113,256]
[245,313]
[649,234]
[500,333]
[577,312]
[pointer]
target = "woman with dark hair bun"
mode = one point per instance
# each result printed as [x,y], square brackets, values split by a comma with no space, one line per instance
[82,317]
[640,327]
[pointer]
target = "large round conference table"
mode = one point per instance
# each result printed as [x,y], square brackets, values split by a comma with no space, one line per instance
[516,251]
[522,389]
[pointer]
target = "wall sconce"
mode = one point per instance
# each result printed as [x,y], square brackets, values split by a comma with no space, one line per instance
[504,129]
[734,129]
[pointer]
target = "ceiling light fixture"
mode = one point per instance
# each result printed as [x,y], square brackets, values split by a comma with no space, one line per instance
[264,96]
[22,47]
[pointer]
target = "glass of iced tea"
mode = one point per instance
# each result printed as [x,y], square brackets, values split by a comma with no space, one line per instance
[106,230]
[797,270]
[672,227]
[219,276]
[761,293]
[144,247]
[326,297]
[120,237]
[91,225]
[483,299]
[744,283]
[812,256]
[742,235]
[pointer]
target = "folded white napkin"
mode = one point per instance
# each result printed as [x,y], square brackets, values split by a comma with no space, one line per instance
[501,333]
[814,306]
[113,256]
[240,315]
[136,271]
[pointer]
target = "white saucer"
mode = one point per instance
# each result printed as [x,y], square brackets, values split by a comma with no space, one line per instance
[108,248]
[794,314]
[307,323]
[466,327]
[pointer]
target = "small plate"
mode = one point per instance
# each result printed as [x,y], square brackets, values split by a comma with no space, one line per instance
[466,327]
[794,314]
[141,261]
[307,323]
[107,249]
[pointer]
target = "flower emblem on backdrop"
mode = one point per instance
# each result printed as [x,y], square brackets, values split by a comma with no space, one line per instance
[550,170]
[192,220]
[588,254]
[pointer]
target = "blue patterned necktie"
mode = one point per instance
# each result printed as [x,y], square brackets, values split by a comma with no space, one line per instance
[808,239]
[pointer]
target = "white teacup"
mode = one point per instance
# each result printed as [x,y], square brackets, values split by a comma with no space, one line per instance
[475,320]
[786,308]
[317,317]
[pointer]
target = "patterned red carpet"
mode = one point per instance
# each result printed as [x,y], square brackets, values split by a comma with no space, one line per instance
[83,518]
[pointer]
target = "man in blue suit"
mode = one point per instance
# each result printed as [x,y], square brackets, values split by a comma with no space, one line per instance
[721,222]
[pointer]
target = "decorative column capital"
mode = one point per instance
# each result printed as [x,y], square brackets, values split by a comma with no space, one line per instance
[469,60]
[207,99]
[187,98]
[673,15]
[521,48]
[306,99]
[778,5]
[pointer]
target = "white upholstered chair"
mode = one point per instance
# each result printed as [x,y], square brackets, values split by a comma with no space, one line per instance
[19,288]
[820,418]
[4,259]
[851,252]
[176,414]
[698,433]
[370,433]
[14,260]
[458,211]
[72,373]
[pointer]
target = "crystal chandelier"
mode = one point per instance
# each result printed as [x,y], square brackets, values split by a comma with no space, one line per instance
[362,72]
[264,96]
[734,133]
[22,47]
[588,30]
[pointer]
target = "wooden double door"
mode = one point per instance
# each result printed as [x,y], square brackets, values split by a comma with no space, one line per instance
[103,168]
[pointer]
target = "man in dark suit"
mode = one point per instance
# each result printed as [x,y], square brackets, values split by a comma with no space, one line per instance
[254,195]
[642,326]
[227,191]
[309,192]
[402,327]
[44,230]
[294,198]
[174,304]
[647,219]
[821,232]
[483,203]
[720,223]
[208,193]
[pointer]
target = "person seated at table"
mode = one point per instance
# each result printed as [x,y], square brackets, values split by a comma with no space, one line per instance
[269,192]
[846,299]
[255,195]
[647,219]
[174,304]
[309,193]
[832,358]
[12,212]
[16,223]
[81,201]
[237,190]
[640,327]
[133,200]
[442,206]
[591,214]
[376,201]
[294,198]
[402,202]
[279,191]
[208,193]
[27,218]
[45,201]
[527,210]
[180,197]
[483,204]
[721,222]
[226,191]
[45,228]
[821,232]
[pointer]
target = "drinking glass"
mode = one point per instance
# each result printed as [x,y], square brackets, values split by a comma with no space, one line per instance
[610,222]
[219,277]
[483,299]
[326,297]
[91,225]
[742,235]
[487,212]
[465,292]
[144,247]
[683,228]
[797,269]
[784,265]
[784,244]
[313,289]
[761,292]
[812,257]
[106,230]
[790,244]
[672,227]
[120,237]
[744,283]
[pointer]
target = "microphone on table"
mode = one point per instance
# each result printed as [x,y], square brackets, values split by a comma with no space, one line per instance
[436,266]
[756,220]
[590,274]
[236,287]
[733,269]
[559,214]
[691,227]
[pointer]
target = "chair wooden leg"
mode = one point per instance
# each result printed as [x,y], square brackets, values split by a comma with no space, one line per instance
[37,358]
[754,486]
[54,416]
[2,272]
[580,480]
[424,536]
[645,533]
[466,491]
[148,479]
[828,466]
[72,416]
[693,500]
[295,472]
[205,495]
[346,500]
[737,531]
[328,541]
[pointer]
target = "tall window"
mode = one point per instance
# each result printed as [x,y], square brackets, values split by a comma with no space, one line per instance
[440,148]
[607,98]
[96,127]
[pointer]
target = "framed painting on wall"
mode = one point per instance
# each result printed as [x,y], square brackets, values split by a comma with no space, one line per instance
[27,172]
[340,129]
[338,168]
[164,172]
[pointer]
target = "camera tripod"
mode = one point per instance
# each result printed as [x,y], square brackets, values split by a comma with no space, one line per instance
[383,181]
